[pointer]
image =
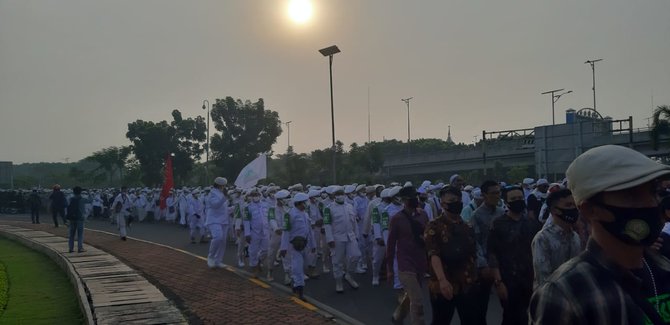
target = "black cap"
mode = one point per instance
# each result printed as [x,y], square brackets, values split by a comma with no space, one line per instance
[408,192]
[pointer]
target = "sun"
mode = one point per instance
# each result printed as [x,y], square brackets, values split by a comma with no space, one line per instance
[300,11]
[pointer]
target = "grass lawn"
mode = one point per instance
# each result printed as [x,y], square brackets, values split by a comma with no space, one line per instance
[39,291]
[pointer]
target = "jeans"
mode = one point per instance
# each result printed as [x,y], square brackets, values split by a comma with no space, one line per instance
[76,226]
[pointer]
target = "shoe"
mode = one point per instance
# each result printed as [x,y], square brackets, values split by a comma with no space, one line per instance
[276,262]
[219,265]
[210,263]
[123,238]
[71,251]
[299,292]
[325,269]
[240,262]
[81,250]
[287,279]
[360,270]
[338,286]
[305,277]
[351,281]
[375,281]
[311,272]
[270,278]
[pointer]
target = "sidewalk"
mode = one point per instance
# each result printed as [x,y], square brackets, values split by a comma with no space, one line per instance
[205,296]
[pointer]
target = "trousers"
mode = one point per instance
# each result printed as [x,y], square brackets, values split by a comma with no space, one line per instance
[217,247]
[345,257]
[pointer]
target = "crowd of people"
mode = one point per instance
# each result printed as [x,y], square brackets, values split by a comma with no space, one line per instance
[585,250]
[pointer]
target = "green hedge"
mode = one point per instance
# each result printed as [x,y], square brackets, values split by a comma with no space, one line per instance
[4,286]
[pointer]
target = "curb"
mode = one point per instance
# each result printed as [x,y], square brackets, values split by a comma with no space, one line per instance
[312,304]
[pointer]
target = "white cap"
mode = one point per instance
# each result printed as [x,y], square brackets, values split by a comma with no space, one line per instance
[314,193]
[542,181]
[349,189]
[477,193]
[468,188]
[370,189]
[282,194]
[610,168]
[425,183]
[360,188]
[453,178]
[300,197]
[220,181]
[334,188]
[528,181]
[385,193]
[394,191]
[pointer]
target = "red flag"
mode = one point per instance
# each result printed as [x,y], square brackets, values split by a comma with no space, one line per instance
[169,182]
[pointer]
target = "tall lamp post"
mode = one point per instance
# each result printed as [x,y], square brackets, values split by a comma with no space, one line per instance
[406,100]
[288,125]
[329,52]
[593,69]
[207,145]
[554,99]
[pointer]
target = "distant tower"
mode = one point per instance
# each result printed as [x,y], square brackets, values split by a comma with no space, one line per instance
[449,140]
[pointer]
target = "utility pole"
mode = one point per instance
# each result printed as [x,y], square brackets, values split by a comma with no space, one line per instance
[406,100]
[288,125]
[554,99]
[593,69]
[368,114]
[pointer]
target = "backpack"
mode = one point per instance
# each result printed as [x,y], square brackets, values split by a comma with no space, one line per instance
[73,212]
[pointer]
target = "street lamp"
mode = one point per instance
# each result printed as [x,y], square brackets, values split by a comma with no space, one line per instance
[406,100]
[329,52]
[207,145]
[554,99]
[288,125]
[593,69]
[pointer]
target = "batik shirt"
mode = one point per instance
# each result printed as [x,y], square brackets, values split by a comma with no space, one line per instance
[453,241]
[551,247]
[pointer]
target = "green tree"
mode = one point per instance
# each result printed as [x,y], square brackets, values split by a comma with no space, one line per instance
[152,142]
[244,129]
[661,125]
[109,160]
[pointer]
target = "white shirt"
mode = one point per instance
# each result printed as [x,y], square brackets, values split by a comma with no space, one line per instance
[340,222]
[217,208]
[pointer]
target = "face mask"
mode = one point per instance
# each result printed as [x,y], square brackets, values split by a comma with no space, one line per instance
[454,207]
[634,226]
[256,199]
[517,206]
[339,198]
[397,201]
[569,215]
[413,203]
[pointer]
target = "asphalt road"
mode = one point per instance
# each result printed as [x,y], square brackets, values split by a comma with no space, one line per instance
[368,304]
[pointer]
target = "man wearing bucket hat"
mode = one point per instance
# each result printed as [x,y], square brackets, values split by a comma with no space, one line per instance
[615,281]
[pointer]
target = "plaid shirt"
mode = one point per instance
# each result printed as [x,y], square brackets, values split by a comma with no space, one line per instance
[588,290]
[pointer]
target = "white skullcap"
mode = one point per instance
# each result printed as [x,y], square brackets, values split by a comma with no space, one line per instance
[394,191]
[314,193]
[220,181]
[453,178]
[300,197]
[542,181]
[425,184]
[468,188]
[610,168]
[360,187]
[282,194]
[349,189]
[528,181]
[385,193]
[477,193]
[334,188]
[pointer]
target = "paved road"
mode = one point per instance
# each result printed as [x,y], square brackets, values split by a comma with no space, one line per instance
[368,304]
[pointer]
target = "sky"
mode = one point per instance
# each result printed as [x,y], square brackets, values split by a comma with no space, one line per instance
[73,74]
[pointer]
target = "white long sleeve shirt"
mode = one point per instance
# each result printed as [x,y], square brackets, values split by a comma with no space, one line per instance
[297,223]
[217,208]
[255,220]
[340,222]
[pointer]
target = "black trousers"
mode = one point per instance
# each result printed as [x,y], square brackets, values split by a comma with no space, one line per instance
[55,212]
[518,299]
[465,303]
[35,215]
[483,293]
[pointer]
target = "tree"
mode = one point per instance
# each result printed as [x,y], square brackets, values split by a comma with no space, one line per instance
[660,126]
[245,129]
[152,142]
[111,159]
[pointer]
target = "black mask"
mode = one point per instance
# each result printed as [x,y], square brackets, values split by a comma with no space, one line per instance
[568,215]
[517,206]
[455,207]
[634,226]
[413,203]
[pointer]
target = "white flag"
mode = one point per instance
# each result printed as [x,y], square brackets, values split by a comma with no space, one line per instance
[252,173]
